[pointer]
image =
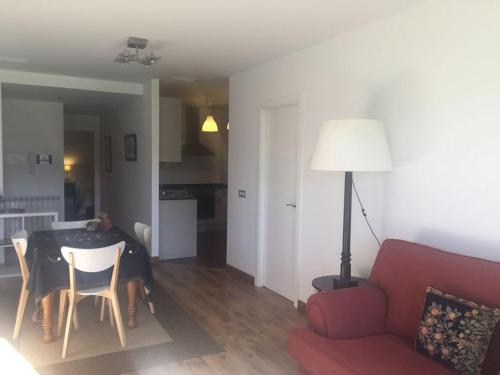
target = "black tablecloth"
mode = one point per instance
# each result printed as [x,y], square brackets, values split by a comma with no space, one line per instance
[49,270]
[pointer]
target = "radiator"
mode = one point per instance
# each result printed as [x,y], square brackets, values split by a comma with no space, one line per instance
[29,204]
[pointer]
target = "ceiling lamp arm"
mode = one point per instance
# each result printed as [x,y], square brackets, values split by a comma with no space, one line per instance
[138,44]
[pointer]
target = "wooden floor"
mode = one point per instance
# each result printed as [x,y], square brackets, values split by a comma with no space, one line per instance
[250,323]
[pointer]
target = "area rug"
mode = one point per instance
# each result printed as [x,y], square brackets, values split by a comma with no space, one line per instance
[170,335]
[93,338]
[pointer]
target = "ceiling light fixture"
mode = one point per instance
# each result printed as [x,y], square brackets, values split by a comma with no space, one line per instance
[210,125]
[126,57]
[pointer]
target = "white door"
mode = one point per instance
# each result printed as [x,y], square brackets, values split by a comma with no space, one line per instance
[279,200]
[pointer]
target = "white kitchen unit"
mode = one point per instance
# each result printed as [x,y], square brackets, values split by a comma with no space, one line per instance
[178,228]
[170,129]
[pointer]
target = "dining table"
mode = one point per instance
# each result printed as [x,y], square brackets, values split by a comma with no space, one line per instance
[49,271]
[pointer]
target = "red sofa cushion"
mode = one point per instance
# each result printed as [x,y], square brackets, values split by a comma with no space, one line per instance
[381,354]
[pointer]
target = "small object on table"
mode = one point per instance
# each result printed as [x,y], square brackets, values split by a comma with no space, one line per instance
[92,225]
[326,283]
[105,222]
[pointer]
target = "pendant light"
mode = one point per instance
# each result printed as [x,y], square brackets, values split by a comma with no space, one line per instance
[210,126]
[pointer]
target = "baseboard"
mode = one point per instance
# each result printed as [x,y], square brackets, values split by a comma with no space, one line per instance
[155,259]
[241,274]
[301,307]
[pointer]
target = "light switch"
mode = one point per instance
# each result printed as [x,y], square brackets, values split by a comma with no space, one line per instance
[242,193]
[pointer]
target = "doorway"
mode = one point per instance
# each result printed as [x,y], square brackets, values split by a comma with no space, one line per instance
[79,167]
[278,200]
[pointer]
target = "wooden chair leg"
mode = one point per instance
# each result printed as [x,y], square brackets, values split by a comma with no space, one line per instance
[96,300]
[21,307]
[76,323]
[110,308]
[68,326]
[152,307]
[103,304]
[118,318]
[142,292]
[62,307]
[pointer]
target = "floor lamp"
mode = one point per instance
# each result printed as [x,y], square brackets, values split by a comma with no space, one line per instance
[350,145]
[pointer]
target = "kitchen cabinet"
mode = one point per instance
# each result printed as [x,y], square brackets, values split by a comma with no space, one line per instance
[170,129]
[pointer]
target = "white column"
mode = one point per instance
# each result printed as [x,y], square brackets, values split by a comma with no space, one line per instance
[153,105]
[1,144]
[2,250]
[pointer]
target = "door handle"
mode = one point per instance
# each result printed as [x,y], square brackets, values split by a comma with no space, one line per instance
[291,204]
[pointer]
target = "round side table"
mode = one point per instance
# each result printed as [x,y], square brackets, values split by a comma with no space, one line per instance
[325,283]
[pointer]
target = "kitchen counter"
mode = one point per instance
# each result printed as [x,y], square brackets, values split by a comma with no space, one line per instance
[204,194]
[179,198]
[214,185]
[178,228]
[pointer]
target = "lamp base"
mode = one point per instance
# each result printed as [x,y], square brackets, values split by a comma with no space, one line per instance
[339,283]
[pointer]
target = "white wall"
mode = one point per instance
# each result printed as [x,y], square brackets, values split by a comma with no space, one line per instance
[125,187]
[431,75]
[33,127]
[130,190]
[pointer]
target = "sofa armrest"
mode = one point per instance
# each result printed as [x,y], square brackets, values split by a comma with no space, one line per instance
[347,313]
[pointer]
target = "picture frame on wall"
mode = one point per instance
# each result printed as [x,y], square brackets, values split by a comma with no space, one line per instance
[130,142]
[107,153]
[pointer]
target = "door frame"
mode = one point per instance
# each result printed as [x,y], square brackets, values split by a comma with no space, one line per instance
[265,107]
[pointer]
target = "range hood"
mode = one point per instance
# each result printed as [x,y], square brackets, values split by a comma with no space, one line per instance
[193,146]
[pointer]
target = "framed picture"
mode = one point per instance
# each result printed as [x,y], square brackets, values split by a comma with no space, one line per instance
[107,153]
[131,147]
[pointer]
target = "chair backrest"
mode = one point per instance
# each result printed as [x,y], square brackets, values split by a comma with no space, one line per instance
[143,233]
[58,225]
[20,242]
[403,270]
[92,260]
[20,239]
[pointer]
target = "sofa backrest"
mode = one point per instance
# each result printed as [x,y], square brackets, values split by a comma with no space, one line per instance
[403,270]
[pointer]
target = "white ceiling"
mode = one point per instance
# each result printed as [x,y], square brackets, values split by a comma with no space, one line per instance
[203,39]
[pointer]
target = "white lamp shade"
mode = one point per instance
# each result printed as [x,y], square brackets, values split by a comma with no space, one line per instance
[209,125]
[352,145]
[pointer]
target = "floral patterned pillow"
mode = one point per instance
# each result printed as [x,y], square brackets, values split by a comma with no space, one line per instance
[456,332]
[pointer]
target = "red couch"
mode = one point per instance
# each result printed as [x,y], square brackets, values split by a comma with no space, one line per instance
[371,330]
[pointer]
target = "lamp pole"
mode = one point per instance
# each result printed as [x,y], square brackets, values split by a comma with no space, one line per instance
[345,267]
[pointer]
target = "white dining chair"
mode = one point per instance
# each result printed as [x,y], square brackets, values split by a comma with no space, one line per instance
[20,242]
[143,234]
[79,224]
[93,261]
[59,225]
